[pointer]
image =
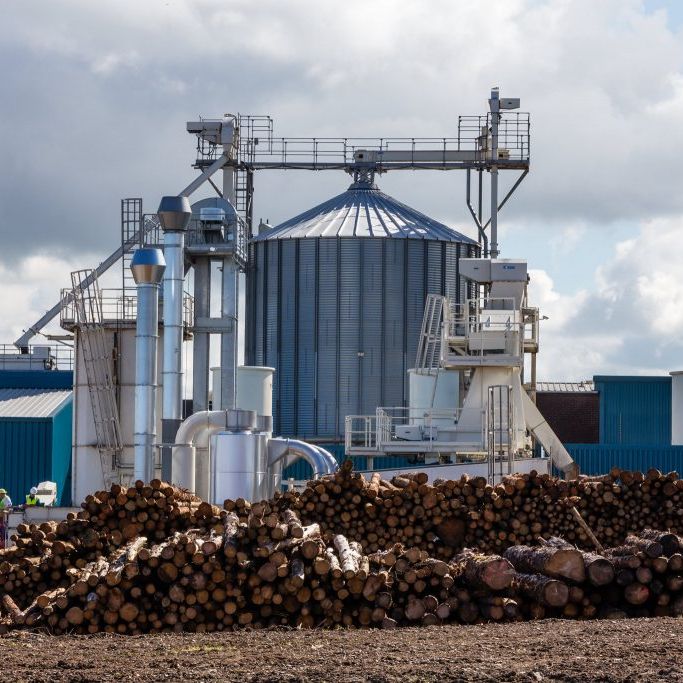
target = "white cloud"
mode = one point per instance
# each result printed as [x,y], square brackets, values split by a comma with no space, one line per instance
[96,95]
[631,321]
[32,286]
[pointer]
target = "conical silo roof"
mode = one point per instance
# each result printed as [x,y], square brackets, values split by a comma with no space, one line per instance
[363,211]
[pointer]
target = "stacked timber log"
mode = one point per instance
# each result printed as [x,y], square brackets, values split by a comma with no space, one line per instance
[350,552]
[468,512]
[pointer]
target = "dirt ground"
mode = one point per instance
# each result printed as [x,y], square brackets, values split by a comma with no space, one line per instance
[629,650]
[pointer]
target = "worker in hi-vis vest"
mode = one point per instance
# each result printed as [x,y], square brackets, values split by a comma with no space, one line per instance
[32,497]
[5,501]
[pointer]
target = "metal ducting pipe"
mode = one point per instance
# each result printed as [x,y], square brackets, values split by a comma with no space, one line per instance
[174,216]
[147,266]
[288,451]
[195,430]
[332,461]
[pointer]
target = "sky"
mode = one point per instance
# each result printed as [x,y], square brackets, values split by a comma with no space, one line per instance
[95,96]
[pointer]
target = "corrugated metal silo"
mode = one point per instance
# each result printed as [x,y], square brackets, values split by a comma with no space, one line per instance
[335,298]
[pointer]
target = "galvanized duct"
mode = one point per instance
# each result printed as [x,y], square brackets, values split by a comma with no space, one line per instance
[174,215]
[147,266]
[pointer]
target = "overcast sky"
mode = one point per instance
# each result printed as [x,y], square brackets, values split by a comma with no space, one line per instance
[95,96]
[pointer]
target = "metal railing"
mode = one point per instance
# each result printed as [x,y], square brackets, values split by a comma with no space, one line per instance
[117,306]
[37,357]
[376,432]
[259,148]
[487,324]
[233,235]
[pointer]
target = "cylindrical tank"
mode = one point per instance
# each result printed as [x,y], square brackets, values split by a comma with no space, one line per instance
[239,466]
[335,300]
[677,408]
[255,389]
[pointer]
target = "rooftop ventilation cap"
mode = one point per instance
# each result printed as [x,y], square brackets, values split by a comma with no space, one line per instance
[174,213]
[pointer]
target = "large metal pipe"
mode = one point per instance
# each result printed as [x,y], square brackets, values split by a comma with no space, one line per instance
[147,266]
[288,451]
[194,431]
[174,215]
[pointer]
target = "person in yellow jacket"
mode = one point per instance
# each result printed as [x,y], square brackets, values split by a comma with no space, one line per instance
[32,497]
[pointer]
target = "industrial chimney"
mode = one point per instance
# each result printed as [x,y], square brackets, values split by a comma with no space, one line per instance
[147,266]
[174,216]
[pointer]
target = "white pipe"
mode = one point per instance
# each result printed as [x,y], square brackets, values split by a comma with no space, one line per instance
[184,450]
[288,451]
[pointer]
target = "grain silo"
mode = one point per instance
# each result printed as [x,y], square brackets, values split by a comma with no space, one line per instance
[335,304]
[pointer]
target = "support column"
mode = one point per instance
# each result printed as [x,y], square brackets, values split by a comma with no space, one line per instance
[229,344]
[174,215]
[148,268]
[201,339]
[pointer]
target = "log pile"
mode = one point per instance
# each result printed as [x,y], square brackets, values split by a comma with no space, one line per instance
[468,512]
[350,552]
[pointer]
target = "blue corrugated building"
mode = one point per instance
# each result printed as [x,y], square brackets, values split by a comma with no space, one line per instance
[634,417]
[36,416]
[634,410]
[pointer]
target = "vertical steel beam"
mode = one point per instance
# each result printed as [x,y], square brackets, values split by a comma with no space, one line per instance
[201,338]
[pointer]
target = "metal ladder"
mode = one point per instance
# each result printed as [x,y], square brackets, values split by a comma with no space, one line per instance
[131,237]
[429,346]
[98,370]
[499,426]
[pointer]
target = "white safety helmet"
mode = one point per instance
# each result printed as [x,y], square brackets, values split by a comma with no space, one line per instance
[34,490]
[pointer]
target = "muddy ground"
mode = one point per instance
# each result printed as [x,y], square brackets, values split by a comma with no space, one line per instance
[629,650]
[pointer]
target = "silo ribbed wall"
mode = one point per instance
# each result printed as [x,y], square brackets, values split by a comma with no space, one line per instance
[339,319]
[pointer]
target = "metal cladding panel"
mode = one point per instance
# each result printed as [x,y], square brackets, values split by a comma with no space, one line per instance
[371,302]
[394,367]
[32,403]
[306,337]
[349,329]
[328,339]
[287,339]
[363,211]
[272,323]
[451,270]
[596,459]
[415,298]
[36,379]
[62,428]
[634,410]
[435,275]
[25,454]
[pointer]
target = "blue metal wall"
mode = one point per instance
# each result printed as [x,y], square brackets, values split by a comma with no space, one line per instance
[634,410]
[34,450]
[62,429]
[595,459]
[36,379]
[339,319]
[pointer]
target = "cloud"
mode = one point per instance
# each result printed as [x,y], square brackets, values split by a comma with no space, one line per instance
[96,95]
[31,286]
[630,322]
